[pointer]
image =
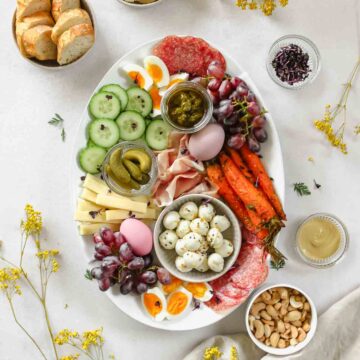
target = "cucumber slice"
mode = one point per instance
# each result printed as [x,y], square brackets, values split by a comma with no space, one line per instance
[104,132]
[118,91]
[90,143]
[91,158]
[157,134]
[104,105]
[131,125]
[139,100]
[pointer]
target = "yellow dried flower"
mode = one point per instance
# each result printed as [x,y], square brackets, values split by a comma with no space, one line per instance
[233,353]
[65,336]
[32,225]
[70,357]
[92,337]
[46,254]
[283,3]
[8,281]
[212,353]
[268,6]
[357,130]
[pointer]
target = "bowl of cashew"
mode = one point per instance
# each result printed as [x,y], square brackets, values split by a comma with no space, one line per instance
[281,319]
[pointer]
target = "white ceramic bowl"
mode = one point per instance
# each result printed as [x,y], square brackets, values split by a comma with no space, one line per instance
[167,257]
[53,64]
[290,349]
[140,6]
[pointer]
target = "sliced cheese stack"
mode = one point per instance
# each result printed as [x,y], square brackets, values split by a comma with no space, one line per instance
[66,39]
[98,207]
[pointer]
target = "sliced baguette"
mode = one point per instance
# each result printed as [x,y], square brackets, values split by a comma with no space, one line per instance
[74,43]
[68,19]
[38,44]
[59,6]
[28,22]
[29,7]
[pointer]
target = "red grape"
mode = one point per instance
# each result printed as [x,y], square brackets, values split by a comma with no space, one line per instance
[225,89]
[110,264]
[141,288]
[251,97]
[235,96]
[148,277]
[127,286]
[104,284]
[254,146]
[98,256]
[214,84]
[258,121]
[107,235]
[260,135]
[163,276]
[253,108]
[148,259]
[102,249]
[235,130]
[225,109]
[137,263]
[124,275]
[96,273]
[200,81]
[97,238]
[214,96]
[236,81]
[126,253]
[242,90]
[119,240]
[216,69]
[236,141]
[232,120]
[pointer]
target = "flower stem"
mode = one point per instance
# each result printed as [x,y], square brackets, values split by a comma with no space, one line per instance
[23,329]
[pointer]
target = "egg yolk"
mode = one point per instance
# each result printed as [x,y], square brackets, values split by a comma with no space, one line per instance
[156,98]
[152,304]
[174,81]
[169,288]
[177,303]
[155,72]
[197,289]
[137,77]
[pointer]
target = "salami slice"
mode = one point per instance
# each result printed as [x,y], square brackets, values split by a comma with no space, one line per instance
[220,302]
[187,54]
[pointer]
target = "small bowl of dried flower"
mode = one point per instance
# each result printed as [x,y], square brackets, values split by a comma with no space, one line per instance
[293,62]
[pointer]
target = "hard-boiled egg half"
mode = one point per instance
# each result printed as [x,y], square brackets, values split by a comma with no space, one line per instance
[175,283]
[174,79]
[154,303]
[139,75]
[178,303]
[157,70]
[200,291]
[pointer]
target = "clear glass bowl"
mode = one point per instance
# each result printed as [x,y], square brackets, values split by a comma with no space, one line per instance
[308,47]
[114,186]
[338,255]
[187,85]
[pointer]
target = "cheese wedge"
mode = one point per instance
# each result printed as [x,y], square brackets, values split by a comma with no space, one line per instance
[84,205]
[95,217]
[91,229]
[88,195]
[95,184]
[112,202]
[111,215]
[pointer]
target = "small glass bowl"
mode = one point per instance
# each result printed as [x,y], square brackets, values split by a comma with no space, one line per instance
[114,186]
[308,47]
[338,255]
[187,85]
[140,5]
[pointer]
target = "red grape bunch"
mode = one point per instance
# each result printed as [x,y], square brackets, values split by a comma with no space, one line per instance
[235,108]
[119,265]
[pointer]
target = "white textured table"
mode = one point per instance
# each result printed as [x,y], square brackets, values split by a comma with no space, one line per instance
[35,163]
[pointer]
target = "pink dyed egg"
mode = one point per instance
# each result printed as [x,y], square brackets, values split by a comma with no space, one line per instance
[138,235]
[207,143]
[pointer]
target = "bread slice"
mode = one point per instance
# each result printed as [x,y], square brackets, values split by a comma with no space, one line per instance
[29,7]
[38,44]
[68,19]
[28,22]
[74,43]
[59,6]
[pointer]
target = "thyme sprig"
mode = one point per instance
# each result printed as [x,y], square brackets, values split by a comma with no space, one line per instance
[301,189]
[58,122]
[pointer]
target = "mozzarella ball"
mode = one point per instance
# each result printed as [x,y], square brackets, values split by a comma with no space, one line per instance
[189,211]
[192,241]
[216,262]
[193,259]
[206,212]
[204,246]
[220,222]
[168,239]
[214,238]
[199,226]
[226,249]
[171,220]
[203,267]
[180,247]
[183,228]
[181,266]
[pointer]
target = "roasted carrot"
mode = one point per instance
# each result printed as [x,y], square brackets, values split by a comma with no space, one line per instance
[251,196]
[239,162]
[256,166]
[217,177]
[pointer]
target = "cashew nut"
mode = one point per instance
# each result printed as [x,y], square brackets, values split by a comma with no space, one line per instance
[294,332]
[307,306]
[292,315]
[303,315]
[287,326]
[265,315]
[281,344]
[267,342]
[302,335]
[284,294]
[269,322]
[259,329]
[280,326]
[251,322]
[293,342]
[274,339]
[306,326]
[272,312]
[296,323]
[266,296]
[285,336]
[267,330]
[294,303]
[274,299]
[256,308]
